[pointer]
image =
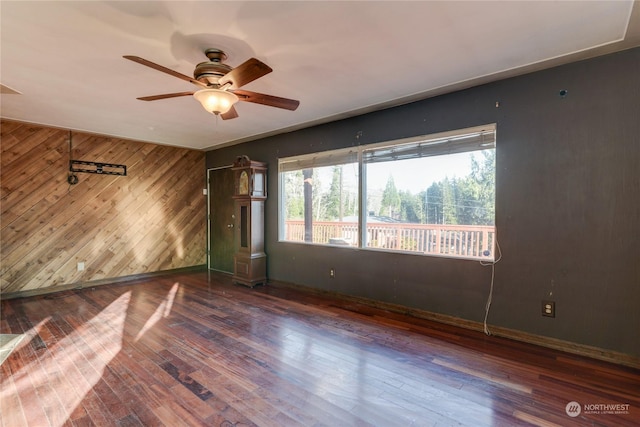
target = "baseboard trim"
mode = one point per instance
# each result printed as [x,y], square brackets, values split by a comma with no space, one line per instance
[93,283]
[539,340]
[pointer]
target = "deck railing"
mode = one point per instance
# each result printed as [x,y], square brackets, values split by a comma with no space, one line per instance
[465,241]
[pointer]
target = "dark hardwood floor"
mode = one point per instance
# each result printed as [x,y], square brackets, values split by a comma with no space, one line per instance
[193,349]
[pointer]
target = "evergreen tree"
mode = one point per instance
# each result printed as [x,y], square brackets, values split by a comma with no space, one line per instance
[449,205]
[411,208]
[484,174]
[433,204]
[390,205]
[318,206]
[294,191]
[334,198]
[476,192]
[468,200]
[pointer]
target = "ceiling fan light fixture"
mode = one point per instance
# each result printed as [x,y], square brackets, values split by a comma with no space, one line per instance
[216,101]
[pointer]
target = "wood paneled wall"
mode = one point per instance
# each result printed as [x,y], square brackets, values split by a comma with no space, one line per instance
[153,219]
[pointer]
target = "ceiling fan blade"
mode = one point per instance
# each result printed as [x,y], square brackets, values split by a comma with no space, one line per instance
[231,114]
[270,100]
[244,73]
[163,69]
[164,96]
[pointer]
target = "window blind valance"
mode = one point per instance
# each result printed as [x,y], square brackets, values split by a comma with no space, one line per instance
[316,160]
[424,147]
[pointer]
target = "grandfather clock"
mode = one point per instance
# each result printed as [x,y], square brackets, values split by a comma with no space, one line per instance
[250,192]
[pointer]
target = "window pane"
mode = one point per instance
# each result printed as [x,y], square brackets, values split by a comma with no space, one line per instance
[438,205]
[320,204]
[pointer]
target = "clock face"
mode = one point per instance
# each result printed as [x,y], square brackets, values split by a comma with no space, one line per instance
[243,183]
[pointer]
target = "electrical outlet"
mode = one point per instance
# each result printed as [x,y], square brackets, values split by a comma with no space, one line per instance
[332,273]
[81,266]
[549,308]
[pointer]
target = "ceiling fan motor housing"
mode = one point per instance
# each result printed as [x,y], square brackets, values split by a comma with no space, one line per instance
[209,72]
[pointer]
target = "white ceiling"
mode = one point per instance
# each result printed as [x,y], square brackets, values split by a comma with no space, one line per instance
[338,58]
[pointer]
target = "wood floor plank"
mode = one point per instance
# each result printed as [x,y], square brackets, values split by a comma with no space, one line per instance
[194,350]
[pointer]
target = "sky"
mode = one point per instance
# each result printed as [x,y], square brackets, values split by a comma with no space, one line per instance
[413,175]
[416,175]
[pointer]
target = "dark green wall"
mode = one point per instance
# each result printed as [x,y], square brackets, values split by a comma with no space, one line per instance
[567,205]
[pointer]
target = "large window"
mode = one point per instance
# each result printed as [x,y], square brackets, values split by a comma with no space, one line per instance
[433,195]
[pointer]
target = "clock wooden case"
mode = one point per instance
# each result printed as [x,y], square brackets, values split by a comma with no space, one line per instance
[250,193]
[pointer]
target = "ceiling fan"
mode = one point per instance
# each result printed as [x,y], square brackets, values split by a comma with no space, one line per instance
[220,84]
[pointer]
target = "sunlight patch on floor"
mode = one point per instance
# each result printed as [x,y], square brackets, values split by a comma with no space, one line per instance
[163,310]
[69,369]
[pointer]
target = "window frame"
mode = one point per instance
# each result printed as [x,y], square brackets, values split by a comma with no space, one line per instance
[438,144]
